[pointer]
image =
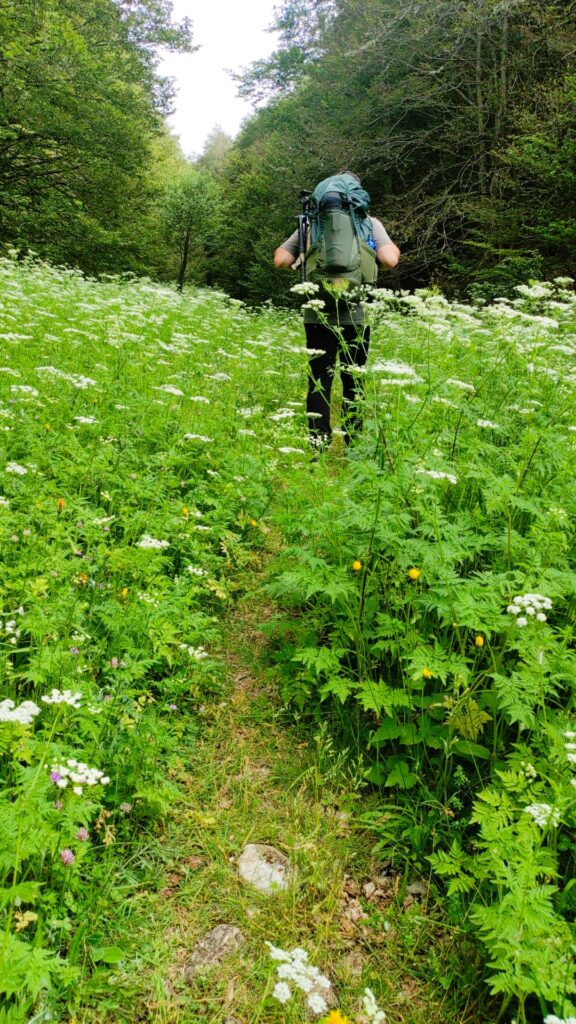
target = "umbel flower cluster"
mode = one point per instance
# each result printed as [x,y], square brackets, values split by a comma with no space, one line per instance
[24,714]
[294,968]
[77,773]
[528,606]
[63,697]
[543,814]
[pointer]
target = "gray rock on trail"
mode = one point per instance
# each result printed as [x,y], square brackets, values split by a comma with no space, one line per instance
[265,868]
[209,951]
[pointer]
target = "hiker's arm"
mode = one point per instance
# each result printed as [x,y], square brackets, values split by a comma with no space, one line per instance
[388,255]
[283,259]
[287,253]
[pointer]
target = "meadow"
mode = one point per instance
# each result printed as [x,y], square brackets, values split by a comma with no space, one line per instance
[155,468]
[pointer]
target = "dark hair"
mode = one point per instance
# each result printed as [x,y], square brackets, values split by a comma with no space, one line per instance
[351,173]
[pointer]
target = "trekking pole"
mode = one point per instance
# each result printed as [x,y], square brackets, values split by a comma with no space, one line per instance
[303,225]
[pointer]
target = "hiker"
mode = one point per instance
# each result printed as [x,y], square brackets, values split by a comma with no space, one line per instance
[338,329]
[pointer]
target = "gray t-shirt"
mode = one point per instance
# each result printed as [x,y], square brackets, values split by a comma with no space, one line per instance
[345,314]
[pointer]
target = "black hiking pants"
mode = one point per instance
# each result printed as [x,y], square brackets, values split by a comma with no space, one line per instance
[350,343]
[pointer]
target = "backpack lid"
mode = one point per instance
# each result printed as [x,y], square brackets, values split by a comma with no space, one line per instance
[356,197]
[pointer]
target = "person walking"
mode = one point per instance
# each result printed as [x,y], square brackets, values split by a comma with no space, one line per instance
[337,331]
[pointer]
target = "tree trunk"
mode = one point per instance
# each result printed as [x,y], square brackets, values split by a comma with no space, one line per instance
[184,259]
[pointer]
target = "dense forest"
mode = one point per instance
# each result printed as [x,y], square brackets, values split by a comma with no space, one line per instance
[458,114]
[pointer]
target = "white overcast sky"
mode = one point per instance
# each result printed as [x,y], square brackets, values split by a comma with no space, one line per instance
[231,33]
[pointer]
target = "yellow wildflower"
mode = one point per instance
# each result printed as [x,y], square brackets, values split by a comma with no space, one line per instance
[414,574]
[61,504]
[335,1017]
[427,673]
[479,641]
[123,594]
[253,522]
[185,512]
[356,565]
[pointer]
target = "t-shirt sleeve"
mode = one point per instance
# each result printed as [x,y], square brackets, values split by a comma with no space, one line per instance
[379,233]
[291,244]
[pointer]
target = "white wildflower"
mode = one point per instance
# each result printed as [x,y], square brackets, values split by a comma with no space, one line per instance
[77,773]
[371,1009]
[316,1003]
[198,653]
[437,474]
[460,384]
[543,814]
[282,414]
[314,304]
[151,544]
[62,697]
[195,570]
[305,288]
[169,389]
[88,420]
[281,992]
[531,605]
[24,389]
[488,424]
[24,714]
[15,467]
[294,967]
[198,437]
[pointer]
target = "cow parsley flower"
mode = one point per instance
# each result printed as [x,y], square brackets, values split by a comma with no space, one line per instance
[151,544]
[77,773]
[371,1009]
[527,606]
[169,389]
[24,714]
[305,288]
[437,474]
[63,697]
[282,992]
[294,967]
[15,467]
[543,814]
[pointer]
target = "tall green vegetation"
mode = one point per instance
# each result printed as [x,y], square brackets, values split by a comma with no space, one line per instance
[81,121]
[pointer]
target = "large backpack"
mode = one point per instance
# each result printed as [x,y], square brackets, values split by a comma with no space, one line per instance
[339,254]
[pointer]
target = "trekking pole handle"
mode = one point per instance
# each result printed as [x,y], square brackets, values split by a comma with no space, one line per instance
[303,225]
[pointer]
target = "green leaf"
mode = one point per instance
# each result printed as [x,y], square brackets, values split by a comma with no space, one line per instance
[108,954]
[339,686]
[469,749]
[388,730]
[401,776]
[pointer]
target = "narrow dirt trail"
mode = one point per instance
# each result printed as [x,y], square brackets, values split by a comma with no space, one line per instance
[254,779]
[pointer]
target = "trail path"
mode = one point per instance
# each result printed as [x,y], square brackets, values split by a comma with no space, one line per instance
[254,779]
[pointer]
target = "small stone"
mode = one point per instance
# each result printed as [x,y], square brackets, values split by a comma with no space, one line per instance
[265,868]
[209,951]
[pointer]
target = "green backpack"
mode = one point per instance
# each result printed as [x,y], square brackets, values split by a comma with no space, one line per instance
[340,255]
